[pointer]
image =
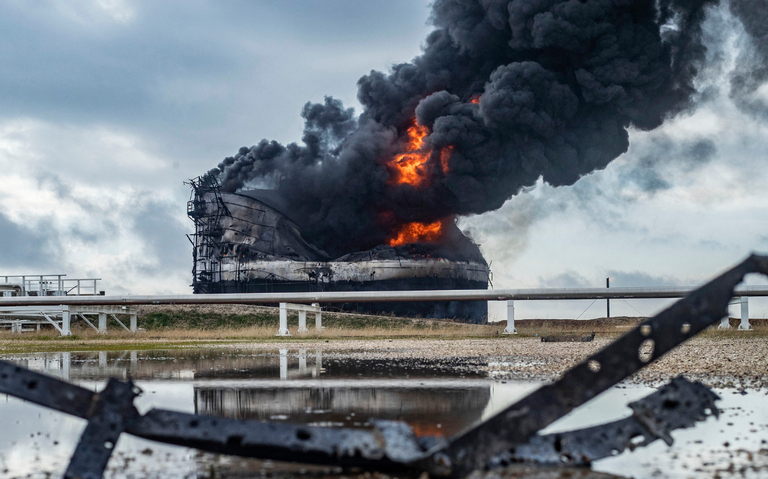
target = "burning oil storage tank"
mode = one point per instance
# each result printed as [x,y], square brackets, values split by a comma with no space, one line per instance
[245,243]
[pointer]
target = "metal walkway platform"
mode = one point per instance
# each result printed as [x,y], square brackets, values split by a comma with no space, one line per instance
[29,318]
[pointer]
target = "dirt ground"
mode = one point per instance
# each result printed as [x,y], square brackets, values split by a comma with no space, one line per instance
[717,362]
[733,359]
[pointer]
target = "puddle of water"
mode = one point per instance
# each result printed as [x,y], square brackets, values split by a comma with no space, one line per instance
[339,389]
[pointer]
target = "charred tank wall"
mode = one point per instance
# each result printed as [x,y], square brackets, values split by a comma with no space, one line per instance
[468,311]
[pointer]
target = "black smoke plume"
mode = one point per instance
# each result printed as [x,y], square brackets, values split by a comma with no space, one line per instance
[559,83]
[752,65]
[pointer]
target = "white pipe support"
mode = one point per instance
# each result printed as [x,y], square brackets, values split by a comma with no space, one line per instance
[318,364]
[318,317]
[510,329]
[302,362]
[134,322]
[88,322]
[283,330]
[120,322]
[66,360]
[66,318]
[303,322]
[134,361]
[102,322]
[283,364]
[744,325]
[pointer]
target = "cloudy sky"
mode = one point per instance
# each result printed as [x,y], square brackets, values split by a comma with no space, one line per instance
[108,106]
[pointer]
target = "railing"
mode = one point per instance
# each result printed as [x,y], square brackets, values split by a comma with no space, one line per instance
[53,285]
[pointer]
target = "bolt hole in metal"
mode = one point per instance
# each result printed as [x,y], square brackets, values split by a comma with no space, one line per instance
[645,351]
[685,328]
[303,434]
[593,365]
[32,385]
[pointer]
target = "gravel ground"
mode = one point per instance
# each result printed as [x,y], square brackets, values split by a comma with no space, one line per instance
[716,362]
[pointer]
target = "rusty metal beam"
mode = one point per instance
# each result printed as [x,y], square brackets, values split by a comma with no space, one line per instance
[639,347]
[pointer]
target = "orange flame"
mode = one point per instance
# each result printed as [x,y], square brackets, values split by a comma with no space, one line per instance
[445,155]
[475,99]
[416,232]
[409,167]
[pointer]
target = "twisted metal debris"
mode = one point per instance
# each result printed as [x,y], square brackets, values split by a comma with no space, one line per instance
[509,436]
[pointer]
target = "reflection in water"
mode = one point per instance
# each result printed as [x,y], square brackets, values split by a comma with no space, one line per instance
[331,388]
[441,408]
[217,364]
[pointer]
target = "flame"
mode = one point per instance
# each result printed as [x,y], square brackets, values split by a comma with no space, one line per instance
[416,232]
[409,167]
[475,99]
[445,155]
[412,168]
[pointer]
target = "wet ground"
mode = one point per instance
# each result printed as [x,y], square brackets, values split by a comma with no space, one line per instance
[435,396]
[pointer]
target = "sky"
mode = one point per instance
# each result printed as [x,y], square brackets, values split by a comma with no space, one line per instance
[108,106]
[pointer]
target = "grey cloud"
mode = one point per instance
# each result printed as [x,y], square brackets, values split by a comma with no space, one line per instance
[639,279]
[569,279]
[660,157]
[166,245]
[752,65]
[23,247]
[195,77]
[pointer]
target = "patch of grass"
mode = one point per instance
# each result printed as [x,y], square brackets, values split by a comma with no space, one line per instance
[186,327]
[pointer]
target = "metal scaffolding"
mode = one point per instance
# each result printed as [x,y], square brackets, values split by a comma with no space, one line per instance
[206,209]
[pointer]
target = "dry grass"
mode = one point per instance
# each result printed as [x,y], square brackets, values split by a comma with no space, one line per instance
[194,326]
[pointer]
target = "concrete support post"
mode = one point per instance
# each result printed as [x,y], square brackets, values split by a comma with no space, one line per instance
[66,317]
[510,329]
[303,322]
[318,318]
[16,327]
[283,331]
[302,361]
[102,322]
[102,359]
[724,324]
[134,322]
[283,364]
[744,325]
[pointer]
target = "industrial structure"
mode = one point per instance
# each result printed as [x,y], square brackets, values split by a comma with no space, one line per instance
[23,318]
[244,242]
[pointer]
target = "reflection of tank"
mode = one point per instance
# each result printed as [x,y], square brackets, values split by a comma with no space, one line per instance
[423,408]
[244,243]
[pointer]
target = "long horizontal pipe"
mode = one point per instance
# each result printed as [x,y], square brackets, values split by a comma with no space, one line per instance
[372,296]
